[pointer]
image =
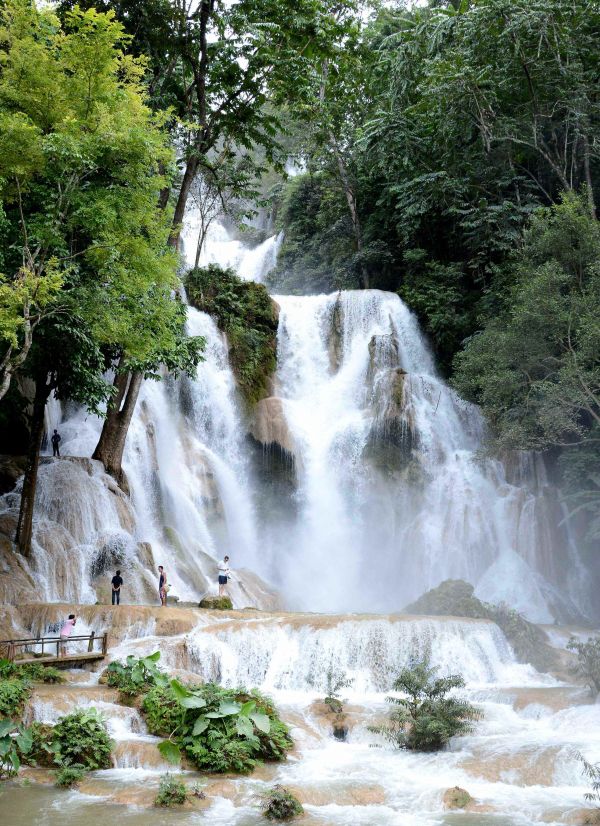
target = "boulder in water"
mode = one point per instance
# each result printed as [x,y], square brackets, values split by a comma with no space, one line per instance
[216,603]
[457,798]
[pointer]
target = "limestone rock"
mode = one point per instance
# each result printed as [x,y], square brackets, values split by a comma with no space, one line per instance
[216,603]
[457,798]
[455,597]
[269,427]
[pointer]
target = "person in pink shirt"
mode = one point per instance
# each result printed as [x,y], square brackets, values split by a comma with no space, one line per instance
[65,633]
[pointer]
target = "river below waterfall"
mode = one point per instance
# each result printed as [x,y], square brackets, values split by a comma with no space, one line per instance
[519,765]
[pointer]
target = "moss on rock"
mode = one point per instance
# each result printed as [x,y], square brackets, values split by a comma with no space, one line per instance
[457,798]
[216,603]
[455,597]
[249,317]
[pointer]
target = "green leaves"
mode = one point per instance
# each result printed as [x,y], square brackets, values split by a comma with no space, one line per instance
[170,751]
[219,729]
[261,721]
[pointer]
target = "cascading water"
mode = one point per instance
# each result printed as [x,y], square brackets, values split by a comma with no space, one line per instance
[392,496]
[385,495]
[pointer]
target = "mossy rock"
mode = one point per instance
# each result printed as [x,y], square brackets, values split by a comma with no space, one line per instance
[248,316]
[455,597]
[216,603]
[457,798]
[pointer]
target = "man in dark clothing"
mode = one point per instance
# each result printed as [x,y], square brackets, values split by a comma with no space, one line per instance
[55,443]
[116,588]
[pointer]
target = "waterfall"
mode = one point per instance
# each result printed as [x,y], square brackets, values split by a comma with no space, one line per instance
[393,496]
[384,496]
[371,652]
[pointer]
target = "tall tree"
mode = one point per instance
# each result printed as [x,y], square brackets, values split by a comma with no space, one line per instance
[82,159]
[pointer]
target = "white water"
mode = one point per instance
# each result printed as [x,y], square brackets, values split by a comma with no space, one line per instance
[391,496]
[519,764]
[355,375]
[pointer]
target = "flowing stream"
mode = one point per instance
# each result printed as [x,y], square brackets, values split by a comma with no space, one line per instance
[519,764]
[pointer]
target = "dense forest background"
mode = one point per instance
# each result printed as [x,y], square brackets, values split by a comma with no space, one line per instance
[449,152]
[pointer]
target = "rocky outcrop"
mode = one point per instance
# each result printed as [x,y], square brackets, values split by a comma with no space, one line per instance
[455,597]
[268,426]
[457,798]
[11,469]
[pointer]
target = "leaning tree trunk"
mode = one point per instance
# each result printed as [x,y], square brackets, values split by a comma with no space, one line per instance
[111,444]
[25,523]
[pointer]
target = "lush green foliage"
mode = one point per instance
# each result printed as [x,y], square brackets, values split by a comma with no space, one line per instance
[136,675]
[588,661]
[14,693]
[15,743]
[35,672]
[82,740]
[247,314]
[68,776]
[425,718]
[171,792]
[535,367]
[279,804]
[218,729]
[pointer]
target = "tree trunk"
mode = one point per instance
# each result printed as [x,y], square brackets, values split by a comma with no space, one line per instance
[588,177]
[351,201]
[189,176]
[25,523]
[111,444]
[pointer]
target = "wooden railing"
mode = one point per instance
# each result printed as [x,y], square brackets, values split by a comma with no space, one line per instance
[49,645]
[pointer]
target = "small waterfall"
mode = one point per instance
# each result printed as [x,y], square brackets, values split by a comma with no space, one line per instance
[251,263]
[297,657]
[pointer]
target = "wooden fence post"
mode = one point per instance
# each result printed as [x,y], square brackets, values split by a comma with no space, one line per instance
[91,642]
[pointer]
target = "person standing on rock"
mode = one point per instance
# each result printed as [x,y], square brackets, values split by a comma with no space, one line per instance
[65,633]
[56,440]
[162,585]
[224,576]
[116,583]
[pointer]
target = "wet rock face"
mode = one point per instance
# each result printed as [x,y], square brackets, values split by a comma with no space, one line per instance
[455,597]
[11,469]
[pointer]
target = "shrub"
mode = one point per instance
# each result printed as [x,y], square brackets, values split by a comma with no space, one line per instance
[136,675]
[162,712]
[35,672]
[337,681]
[592,772]
[244,311]
[15,742]
[219,729]
[68,776]
[171,792]
[588,661]
[279,804]
[14,693]
[82,739]
[44,747]
[425,718]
